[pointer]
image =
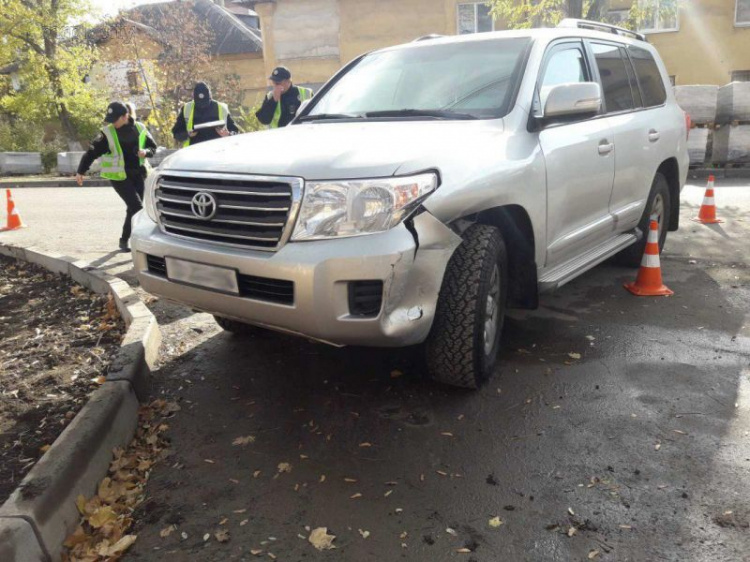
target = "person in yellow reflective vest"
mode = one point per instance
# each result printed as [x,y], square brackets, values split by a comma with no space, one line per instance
[283,101]
[202,109]
[123,146]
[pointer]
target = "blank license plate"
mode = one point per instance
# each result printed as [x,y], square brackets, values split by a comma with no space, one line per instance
[201,275]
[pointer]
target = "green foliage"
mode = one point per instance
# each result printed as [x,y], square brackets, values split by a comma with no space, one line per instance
[246,120]
[53,60]
[523,14]
[20,136]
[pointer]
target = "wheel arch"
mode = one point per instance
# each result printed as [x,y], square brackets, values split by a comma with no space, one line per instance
[515,226]
[670,169]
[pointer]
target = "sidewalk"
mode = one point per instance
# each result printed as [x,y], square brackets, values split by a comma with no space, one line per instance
[15,182]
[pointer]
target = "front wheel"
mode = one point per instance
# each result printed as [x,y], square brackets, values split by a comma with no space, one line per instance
[463,345]
[658,204]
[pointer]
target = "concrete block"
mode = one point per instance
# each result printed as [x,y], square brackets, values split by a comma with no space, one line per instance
[74,464]
[699,101]
[21,163]
[67,163]
[55,263]
[161,154]
[697,144]
[731,145]
[18,542]
[88,276]
[733,103]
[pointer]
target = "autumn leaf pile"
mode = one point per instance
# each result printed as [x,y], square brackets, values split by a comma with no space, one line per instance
[107,516]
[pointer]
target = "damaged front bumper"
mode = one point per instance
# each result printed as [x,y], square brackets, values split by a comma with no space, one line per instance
[409,261]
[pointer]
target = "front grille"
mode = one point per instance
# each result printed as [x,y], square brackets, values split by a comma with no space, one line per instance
[365,298]
[156,265]
[265,289]
[251,213]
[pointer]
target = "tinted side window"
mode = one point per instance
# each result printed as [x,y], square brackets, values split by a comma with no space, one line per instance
[617,93]
[633,81]
[649,77]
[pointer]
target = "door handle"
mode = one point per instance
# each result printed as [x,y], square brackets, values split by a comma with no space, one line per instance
[653,135]
[606,147]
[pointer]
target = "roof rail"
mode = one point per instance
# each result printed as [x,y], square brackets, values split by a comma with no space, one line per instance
[428,37]
[599,26]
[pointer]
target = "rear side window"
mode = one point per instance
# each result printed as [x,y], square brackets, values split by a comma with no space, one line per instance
[614,75]
[649,77]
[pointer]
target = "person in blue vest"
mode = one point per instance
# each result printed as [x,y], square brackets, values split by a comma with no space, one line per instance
[123,146]
[283,101]
[202,109]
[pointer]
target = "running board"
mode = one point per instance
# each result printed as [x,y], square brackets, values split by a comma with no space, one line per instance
[571,269]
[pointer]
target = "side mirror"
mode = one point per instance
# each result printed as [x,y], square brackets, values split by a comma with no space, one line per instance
[565,100]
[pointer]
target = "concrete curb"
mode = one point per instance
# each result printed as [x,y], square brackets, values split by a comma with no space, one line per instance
[20,184]
[41,512]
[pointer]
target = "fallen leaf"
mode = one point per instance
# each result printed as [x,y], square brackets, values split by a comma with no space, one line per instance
[350,480]
[184,535]
[209,461]
[463,550]
[206,537]
[364,534]
[442,473]
[657,446]
[304,457]
[238,511]
[284,467]
[451,532]
[222,535]
[121,546]
[272,556]
[244,522]
[256,473]
[388,493]
[573,355]
[223,521]
[679,432]
[570,510]
[242,441]
[355,496]
[44,449]
[166,531]
[101,516]
[572,531]
[495,522]
[593,554]
[627,527]
[446,434]
[320,539]
[365,445]
[255,551]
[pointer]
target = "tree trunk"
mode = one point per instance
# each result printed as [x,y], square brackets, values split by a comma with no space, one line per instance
[575,9]
[597,10]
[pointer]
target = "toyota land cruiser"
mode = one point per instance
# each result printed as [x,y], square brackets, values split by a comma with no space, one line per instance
[425,189]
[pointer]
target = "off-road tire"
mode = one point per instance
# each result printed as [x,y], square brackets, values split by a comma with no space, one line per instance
[239,328]
[455,348]
[632,255]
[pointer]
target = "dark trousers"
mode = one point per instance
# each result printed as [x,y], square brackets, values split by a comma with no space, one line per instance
[130,191]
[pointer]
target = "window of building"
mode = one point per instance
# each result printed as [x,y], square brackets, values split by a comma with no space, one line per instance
[474,17]
[134,81]
[661,15]
[741,76]
[649,77]
[614,75]
[742,12]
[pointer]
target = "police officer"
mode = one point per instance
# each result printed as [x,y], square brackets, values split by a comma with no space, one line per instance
[123,145]
[203,109]
[282,102]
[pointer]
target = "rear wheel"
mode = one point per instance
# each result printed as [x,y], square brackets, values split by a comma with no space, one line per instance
[463,345]
[658,204]
[239,328]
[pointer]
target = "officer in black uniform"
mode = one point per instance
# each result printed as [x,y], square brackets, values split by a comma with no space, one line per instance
[135,145]
[203,109]
[282,102]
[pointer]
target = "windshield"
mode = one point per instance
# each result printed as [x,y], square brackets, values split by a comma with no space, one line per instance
[472,79]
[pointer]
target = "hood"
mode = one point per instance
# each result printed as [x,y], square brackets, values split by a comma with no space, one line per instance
[202,94]
[321,151]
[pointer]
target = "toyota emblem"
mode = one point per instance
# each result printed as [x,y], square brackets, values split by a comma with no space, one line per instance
[204,205]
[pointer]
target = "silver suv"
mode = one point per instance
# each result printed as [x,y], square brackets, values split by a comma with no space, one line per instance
[423,191]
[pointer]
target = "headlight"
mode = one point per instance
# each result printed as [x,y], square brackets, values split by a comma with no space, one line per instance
[149,201]
[353,207]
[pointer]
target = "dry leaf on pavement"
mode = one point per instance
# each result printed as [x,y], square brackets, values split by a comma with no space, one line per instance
[222,535]
[593,554]
[166,531]
[284,467]
[495,522]
[242,441]
[573,355]
[320,539]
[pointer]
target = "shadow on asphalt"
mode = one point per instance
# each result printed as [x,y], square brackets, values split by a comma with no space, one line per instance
[618,445]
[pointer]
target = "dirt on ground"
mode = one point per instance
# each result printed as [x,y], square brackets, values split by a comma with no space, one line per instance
[57,340]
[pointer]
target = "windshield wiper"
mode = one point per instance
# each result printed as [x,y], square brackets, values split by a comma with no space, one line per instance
[434,113]
[322,116]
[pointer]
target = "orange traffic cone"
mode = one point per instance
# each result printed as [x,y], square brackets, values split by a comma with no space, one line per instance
[14,220]
[707,214]
[649,283]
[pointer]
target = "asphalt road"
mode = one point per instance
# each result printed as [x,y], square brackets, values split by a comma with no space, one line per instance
[637,451]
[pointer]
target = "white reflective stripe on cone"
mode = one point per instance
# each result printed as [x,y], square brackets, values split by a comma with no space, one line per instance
[650,261]
[653,237]
[709,201]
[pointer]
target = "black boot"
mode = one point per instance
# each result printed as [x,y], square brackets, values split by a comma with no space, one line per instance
[124,245]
